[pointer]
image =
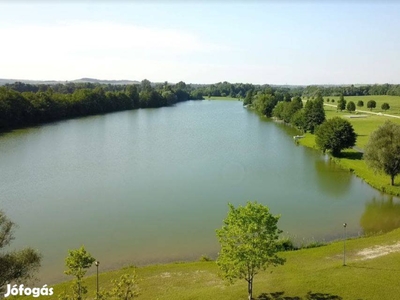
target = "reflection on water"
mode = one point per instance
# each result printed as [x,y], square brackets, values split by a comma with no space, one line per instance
[332,180]
[381,215]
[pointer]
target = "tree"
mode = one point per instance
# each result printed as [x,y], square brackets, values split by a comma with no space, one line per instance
[382,152]
[385,106]
[249,243]
[15,266]
[314,114]
[77,262]
[360,103]
[371,104]
[351,107]
[126,287]
[335,135]
[341,104]
[249,98]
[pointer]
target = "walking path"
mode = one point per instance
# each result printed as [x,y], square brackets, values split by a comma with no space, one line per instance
[368,112]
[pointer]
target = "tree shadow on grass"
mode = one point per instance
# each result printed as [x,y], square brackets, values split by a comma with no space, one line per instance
[310,296]
[351,155]
[373,268]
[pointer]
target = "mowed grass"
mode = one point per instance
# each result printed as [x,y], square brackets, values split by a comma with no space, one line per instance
[222,98]
[352,159]
[318,271]
[394,102]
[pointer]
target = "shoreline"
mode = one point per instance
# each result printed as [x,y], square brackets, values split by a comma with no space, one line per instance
[358,167]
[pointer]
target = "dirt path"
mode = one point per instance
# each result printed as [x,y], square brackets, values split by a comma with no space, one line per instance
[368,112]
[377,251]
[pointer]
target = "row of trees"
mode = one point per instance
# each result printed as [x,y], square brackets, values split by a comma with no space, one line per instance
[235,90]
[351,106]
[26,108]
[291,111]
[351,90]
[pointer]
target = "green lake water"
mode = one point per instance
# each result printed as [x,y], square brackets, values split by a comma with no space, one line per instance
[152,185]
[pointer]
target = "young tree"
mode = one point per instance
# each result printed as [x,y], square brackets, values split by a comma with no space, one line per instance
[385,106]
[77,262]
[249,243]
[371,104]
[125,288]
[351,107]
[335,135]
[382,151]
[360,103]
[341,104]
[15,266]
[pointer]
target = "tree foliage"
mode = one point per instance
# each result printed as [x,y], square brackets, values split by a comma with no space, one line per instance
[314,114]
[351,107]
[335,135]
[77,263]
[249,243]
[360,103]
[382,152]
[17,265]
[371,104]
[385,106]
[341,104]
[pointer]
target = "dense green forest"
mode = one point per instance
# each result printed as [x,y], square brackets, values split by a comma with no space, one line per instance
[24,104]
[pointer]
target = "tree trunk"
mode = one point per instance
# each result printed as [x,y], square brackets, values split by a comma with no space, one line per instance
[392,177]
[250,289]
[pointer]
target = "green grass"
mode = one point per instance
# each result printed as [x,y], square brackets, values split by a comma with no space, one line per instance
[221,98]
[351,159]
[394,102]
[317,270]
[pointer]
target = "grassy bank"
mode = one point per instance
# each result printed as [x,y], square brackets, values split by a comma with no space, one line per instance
[221,98]
[351,159]
[371,274]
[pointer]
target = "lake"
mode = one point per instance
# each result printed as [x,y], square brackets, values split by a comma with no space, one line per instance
[152,185]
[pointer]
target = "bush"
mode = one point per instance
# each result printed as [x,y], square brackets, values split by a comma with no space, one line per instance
[285,244]
[205,258]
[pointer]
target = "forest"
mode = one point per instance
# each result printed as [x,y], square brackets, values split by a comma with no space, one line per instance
[23,104]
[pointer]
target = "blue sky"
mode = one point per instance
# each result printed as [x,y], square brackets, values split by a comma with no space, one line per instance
[202,42]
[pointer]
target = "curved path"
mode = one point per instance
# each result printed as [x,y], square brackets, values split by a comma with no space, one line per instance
[369,112]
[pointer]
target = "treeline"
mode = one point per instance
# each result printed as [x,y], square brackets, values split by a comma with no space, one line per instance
[376,89]
[289,109]
[24,104]
[39,104]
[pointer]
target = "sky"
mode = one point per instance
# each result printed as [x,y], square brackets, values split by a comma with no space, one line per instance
[259,42]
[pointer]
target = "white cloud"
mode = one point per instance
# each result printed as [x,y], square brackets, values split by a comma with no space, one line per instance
[70,50]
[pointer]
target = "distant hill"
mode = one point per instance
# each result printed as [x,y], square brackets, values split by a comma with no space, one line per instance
[91,80]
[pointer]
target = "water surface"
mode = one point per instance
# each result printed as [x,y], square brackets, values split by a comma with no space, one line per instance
[152,185]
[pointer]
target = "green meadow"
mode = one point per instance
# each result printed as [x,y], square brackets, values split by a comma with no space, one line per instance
[363,126]
[372,272]
[393,101]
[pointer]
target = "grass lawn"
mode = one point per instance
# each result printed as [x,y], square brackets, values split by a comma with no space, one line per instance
[222,98]
[351,159]
[394,102]
[371,274]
